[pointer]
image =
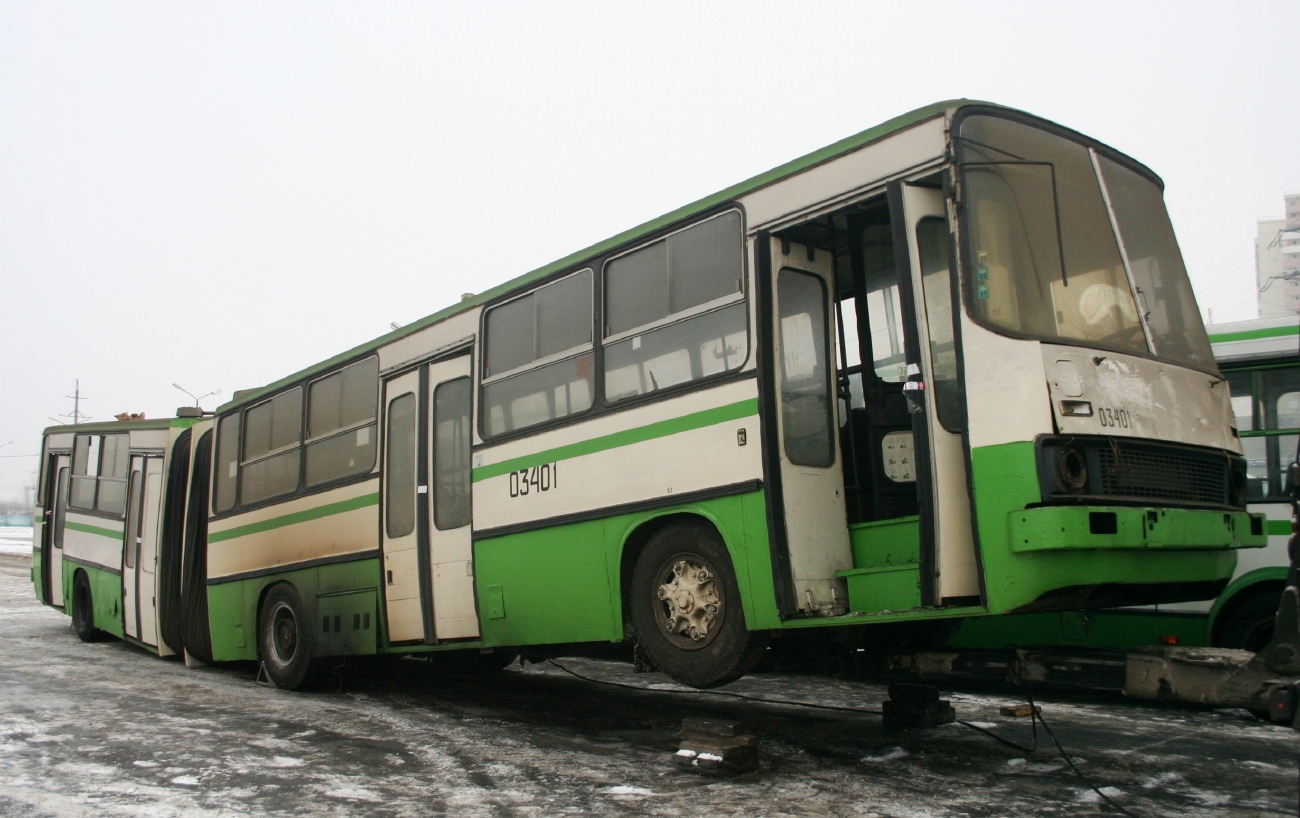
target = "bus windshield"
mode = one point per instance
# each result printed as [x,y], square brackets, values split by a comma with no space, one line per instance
[1049,223]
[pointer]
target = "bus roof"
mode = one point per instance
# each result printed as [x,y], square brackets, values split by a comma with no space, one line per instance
[776,174]
[121,426]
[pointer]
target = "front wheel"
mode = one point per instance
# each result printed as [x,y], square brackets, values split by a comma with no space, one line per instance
[284,637]
[687,611]
[1249,626]
[83,610]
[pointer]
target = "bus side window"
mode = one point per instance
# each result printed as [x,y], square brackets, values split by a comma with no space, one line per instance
[1279,399]
[85,468]
[674,310]
[341,430]
[226,466]
[538,359]
[115,457]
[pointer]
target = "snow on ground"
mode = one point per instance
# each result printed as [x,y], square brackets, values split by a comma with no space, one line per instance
[15,540]
[105,729]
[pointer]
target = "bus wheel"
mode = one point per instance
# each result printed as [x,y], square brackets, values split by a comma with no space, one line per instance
[1249,626]
[284,638]
[686,607]
[83,610]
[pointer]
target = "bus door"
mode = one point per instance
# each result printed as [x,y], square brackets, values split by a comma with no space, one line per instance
[428,564]
[56,512]
[811,481]
[950,573]
[140,552]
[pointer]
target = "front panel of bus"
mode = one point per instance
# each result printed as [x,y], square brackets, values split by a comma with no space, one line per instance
[1105,468]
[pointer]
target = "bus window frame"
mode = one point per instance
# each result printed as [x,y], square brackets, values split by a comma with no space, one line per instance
[98,477]
[1262,430]
[600,406]
[965,258]
[303,489]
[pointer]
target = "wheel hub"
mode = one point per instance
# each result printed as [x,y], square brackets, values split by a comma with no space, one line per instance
[690,601]
[285,635]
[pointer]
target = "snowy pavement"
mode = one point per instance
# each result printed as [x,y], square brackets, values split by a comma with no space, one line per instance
[106,730]
[15,540]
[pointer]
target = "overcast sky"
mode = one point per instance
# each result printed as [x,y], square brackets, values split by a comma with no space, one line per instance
[221,194]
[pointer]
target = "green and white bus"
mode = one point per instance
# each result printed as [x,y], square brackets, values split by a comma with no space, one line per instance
[1261,360]
[948,367]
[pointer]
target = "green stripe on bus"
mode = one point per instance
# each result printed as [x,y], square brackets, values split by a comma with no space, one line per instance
[1254,334]
[1276,527]
[664,428]
[295,518]
[93,529]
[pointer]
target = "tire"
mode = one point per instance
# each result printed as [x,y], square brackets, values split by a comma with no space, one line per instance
[1249,626]
[83,610]
[671,600]
[284,637]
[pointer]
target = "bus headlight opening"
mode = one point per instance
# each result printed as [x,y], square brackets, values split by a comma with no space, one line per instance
[1072,470]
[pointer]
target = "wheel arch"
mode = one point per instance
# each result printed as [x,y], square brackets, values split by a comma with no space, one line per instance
[1242,589]
[640,531]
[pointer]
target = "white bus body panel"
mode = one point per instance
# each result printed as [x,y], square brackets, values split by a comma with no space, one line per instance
[1002,377]
[352,532]
[1138,397]
[101,550]
[692,460]
[448,334]
[831,183]
[150,439]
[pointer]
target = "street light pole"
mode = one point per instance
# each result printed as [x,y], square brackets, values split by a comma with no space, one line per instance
[197,398]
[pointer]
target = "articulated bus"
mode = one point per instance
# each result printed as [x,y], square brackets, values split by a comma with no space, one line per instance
[948,367]
[1261,360]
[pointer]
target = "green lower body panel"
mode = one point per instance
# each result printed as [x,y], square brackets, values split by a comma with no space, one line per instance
[341,589]
[1052,528]
[1051,556]
[1113,629]
[565,583]
[105,595]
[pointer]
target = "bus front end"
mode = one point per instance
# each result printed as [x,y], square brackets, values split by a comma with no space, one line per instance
[1105,464]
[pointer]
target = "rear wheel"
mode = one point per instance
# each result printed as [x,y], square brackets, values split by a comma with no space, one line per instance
[83,610]
[687,611]
[284,638]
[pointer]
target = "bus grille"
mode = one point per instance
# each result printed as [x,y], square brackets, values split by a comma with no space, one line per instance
[1091,468]
[1158,473]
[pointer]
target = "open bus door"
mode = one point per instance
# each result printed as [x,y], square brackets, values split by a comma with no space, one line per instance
[896,467]
[427,562]
[56,511]
[934,395]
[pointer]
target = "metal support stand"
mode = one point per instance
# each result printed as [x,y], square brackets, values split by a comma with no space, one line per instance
[716,747]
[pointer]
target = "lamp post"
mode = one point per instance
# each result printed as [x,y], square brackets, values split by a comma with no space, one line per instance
[197,398]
